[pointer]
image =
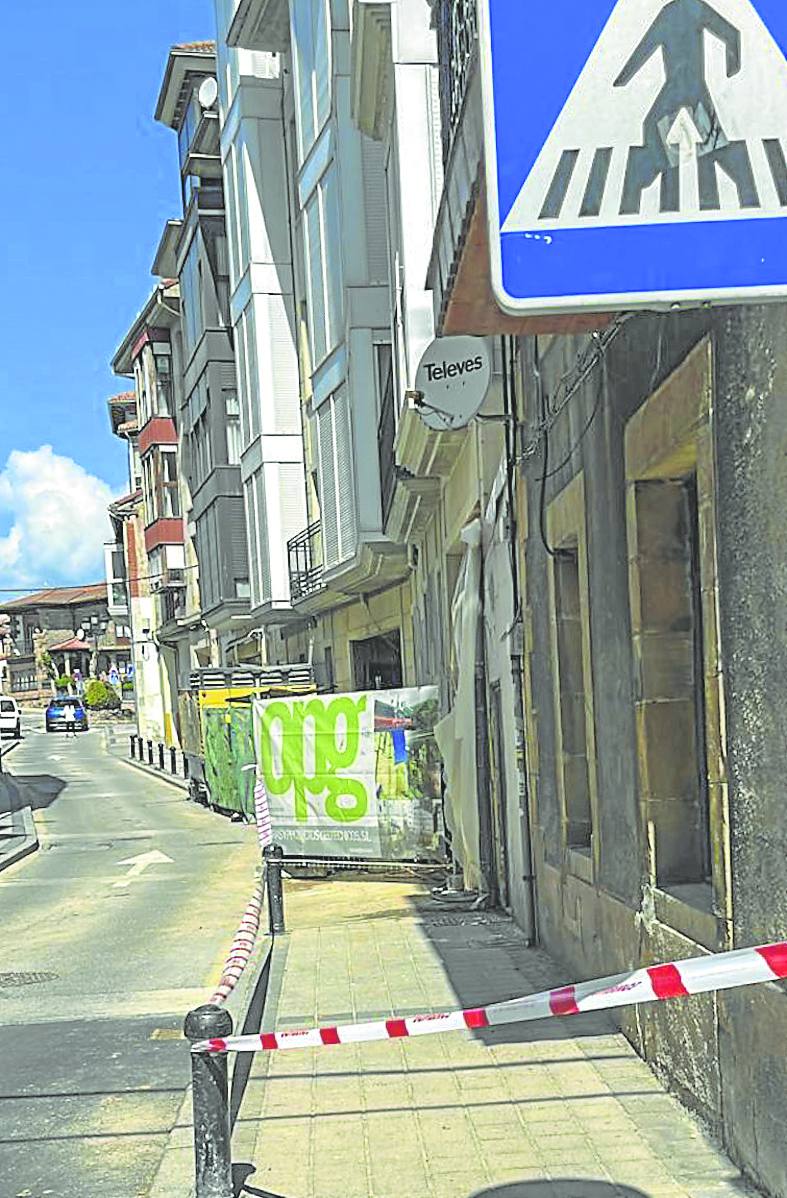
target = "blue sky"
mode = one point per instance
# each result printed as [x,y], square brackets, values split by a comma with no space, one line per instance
[90,179]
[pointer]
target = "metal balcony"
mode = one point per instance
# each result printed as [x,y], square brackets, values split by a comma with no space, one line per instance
[304,553]
[457,41]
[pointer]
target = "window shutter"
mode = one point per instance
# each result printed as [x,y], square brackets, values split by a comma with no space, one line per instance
[236,527]
[292,499]
[284,366]
[373,166]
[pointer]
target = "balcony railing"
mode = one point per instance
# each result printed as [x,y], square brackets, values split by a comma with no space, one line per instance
[457,41]
[304,553]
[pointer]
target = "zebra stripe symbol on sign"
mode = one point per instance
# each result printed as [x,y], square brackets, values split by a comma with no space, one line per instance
[679,115]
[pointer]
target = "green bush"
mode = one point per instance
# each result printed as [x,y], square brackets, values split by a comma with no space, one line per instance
[100,697]
[64,683]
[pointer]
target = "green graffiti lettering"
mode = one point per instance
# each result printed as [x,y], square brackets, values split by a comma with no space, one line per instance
[291,732]
[334,729]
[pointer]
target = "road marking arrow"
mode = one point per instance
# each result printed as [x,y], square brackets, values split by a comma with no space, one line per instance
[140,863]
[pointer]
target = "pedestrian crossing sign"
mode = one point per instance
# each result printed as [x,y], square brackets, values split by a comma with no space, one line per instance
[636,152]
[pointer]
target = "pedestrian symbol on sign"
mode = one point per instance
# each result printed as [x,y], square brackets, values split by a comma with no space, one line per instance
[646,117]
[700,147]
[679,31]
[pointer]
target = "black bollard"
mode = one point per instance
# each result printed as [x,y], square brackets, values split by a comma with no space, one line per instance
[210,1094]
[150,752]
[273,854]
[173,763]
[185,766]
[161,756]
[133,740]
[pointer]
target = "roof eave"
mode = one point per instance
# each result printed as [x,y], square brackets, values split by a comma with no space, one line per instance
[179,63]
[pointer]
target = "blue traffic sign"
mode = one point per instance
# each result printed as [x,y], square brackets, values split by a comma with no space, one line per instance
[636,152]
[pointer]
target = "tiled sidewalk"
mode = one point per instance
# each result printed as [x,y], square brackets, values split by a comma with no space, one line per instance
[561,1109]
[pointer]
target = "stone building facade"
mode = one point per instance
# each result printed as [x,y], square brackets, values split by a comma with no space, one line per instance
[652,550]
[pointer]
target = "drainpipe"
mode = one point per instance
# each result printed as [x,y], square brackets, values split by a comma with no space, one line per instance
[517,642]
[485,834]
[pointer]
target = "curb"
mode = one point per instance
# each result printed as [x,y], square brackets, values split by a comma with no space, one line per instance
[23,838]
[152,772]
[24,831]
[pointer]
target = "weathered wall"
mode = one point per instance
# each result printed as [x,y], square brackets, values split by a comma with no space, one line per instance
[751,447]
[723,1054]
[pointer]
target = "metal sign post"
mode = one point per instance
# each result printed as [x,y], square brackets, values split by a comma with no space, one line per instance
[637,158]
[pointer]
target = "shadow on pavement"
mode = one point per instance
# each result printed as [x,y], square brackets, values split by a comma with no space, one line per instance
[38,791]
[251,1024]
[559,1187]
[487,960]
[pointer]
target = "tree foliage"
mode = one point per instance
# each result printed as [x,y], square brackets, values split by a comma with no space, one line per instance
[100,697]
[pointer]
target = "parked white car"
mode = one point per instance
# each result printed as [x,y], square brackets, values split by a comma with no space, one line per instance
[10,717]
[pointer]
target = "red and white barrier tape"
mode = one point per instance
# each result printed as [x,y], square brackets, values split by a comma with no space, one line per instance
[262,815]
[698,975]
[246,935]
[242,948]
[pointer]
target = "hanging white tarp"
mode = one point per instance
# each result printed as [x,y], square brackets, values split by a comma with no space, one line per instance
[456,733]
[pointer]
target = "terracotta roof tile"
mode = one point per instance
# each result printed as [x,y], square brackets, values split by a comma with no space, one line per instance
[196,47]
[73,644]
[60,596]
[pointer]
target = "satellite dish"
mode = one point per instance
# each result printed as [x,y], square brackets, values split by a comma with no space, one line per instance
[208,93]
[452,381]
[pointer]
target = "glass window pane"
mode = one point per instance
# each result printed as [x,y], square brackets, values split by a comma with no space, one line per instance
[322,64]
[253,370]
[314,266]
[334,291]
[304,71]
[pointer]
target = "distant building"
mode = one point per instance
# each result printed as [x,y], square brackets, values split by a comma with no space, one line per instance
[57,631]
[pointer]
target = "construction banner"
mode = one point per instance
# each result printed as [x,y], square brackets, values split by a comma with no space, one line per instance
[353,775]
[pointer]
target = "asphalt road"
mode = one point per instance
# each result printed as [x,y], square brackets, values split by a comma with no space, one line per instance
[101,956]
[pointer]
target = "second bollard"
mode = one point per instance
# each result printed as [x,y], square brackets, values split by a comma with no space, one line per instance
[273,854]
[210,1094]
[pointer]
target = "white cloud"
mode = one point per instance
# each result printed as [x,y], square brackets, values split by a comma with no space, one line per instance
[58,520]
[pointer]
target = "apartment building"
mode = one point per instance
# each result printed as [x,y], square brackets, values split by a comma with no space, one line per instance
[262,307]
[160,560]
[128,579]
[194,249]
[322,212]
